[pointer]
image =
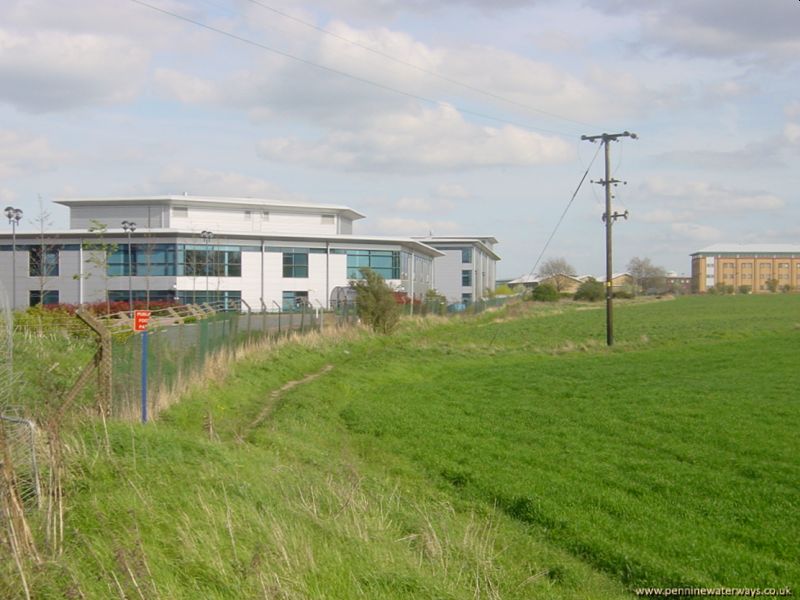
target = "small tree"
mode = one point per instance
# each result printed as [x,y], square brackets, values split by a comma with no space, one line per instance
[375,300]
[591,290]
[646,275]
[43,257]
[559,270]
[772,285]
[99,252]
[745,289]
[435,302]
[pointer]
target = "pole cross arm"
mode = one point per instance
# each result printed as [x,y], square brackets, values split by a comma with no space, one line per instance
[606,137]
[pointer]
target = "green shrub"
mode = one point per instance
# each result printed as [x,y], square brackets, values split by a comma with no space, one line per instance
[40,319]
[745,289]
[545,293]
[591,290]
[504,290]
[376,302]
[625,294]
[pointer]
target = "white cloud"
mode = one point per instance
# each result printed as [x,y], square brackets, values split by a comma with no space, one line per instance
[185,87]
[399,226]
[661,215]
[792,110]
[701,196]
[275,86]
[696,232]
[425,205]
[49,71]
[792,132]
[414,204]
[24,154]
[429,139]
[176,179]
[742,29]
[57,55]
[383,9]
[451,190]
[7,196]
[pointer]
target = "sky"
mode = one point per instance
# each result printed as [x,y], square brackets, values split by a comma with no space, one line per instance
[450,117]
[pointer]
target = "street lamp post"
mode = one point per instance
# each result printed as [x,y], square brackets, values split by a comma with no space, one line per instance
[207,237]
[14,216]
[130,227]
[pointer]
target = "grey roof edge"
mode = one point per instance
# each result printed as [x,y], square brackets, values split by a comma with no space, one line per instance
[171,199]
[748,249]
[23,237]
[462,239]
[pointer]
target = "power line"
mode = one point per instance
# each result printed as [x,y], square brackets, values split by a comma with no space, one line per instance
[343,73]
[411,65]
[564,214]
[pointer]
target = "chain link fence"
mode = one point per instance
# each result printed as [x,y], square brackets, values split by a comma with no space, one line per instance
[21,444]
[439,307]
[183,343]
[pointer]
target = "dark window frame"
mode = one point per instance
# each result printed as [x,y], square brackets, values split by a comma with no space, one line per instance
[295,264]
[51,261]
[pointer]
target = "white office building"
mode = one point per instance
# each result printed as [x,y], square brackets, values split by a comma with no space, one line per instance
[467,270]
[265,253]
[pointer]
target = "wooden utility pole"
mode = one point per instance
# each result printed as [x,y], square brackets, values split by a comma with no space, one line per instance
[608,219]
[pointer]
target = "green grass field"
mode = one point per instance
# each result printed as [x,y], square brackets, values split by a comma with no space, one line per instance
[509,455]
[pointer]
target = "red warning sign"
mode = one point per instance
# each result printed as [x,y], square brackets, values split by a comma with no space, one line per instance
[140,320]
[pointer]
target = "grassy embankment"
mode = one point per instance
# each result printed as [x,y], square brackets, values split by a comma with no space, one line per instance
[501,456]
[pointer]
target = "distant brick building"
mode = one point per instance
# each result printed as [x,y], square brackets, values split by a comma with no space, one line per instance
[759,266]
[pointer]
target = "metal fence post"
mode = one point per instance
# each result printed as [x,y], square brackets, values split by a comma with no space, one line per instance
[249,318]
[102,359]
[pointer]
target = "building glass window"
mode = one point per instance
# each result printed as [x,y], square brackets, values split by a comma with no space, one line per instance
[36,297]
[215,261]
[189,260]
[294,300]
[43,260]
[466,255]
[466,278]
[295,264]
[385,263]
[145,260]
[466,298]
[141,295]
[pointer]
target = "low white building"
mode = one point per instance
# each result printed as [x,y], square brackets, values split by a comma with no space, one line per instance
[266,253]
[467,271]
